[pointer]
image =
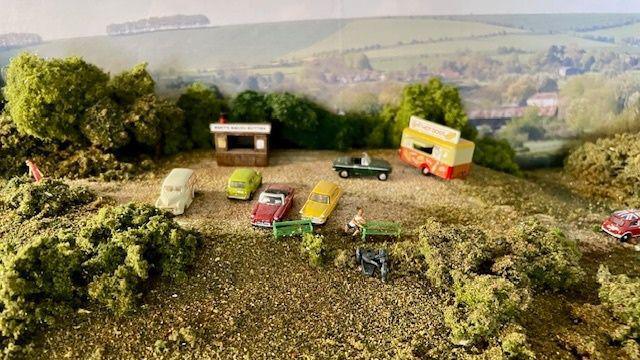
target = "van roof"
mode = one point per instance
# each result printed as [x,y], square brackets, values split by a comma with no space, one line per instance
[463,143]
[177,177]
[242,174]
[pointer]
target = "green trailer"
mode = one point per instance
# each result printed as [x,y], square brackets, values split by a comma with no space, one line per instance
[387,228]
[291,228]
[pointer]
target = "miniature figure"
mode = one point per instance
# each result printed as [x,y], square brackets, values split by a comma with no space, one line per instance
[321,202]
[370,260]
[355,225]
[362,166]
[178,190]
[623,225]
[243,183]
[34,171]
[436,149]
[273,205]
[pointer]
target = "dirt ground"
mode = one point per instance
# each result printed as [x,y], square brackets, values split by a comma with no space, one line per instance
[251,296]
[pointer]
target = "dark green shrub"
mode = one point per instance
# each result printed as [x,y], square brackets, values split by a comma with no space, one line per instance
[496,154]
[128,244]
[46,198]
[201,106]
[312,246]
[621,295]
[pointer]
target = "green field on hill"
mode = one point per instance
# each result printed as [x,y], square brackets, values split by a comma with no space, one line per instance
[620,32]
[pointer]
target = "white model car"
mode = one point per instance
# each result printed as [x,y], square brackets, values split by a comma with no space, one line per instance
[177,192]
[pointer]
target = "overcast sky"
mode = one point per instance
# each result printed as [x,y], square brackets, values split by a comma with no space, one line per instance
[72,18]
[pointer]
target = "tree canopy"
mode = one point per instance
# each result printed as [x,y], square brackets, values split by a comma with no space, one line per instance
[201,106]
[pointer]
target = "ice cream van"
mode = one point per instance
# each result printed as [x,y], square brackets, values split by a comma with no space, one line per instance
[436,149]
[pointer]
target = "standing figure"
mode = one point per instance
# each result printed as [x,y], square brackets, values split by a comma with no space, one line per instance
[34,171]
[356,223]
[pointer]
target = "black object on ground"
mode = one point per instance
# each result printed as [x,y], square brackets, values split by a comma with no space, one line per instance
[372,260]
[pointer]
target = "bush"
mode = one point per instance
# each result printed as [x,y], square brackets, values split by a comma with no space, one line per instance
[312,246]
[46,198]
[496,154]
[128,244]
[621,295]
[484,304]
[610,166]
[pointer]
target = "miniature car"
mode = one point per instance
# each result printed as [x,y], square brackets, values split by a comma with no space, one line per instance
[362,166]
[273,205]
[243,183]
[623,225]
[321,202]
[177,191]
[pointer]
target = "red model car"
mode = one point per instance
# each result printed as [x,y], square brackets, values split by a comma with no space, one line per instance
[623,224]
[273,205]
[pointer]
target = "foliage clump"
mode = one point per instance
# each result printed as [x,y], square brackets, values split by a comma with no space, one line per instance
[312,247]
[609,166]
[47,198]
[491,279]
[127,245]
[109,261]
[496,154]
[621,295]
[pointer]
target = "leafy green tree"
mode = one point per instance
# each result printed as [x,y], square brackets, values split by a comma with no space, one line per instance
[131,85]
[103,125]
[433,101]
[158,125]
[249,106]
[48,98]
[1,94]
[201,106]
[295,118]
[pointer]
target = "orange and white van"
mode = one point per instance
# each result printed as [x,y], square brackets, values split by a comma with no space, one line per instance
[436,149]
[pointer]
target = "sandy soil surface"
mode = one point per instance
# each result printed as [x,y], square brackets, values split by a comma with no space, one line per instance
[251,296]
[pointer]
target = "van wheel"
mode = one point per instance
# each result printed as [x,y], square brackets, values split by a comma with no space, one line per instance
[626,237]
[383,176]
[344,174]
[425,171]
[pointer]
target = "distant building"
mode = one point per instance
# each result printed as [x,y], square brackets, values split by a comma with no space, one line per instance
[566,71]
[543,100]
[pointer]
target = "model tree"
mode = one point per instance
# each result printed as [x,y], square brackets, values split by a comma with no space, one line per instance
[249,106]
[48,98]
[435,102]
[201,106]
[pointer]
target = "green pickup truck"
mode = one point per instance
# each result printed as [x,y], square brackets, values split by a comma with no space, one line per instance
[363,165]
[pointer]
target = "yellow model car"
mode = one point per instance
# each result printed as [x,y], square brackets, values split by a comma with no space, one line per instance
[321,202]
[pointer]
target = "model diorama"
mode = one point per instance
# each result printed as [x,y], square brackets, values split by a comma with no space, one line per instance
[177,191]
[313,233]
[436,149]
[243,183]
[273,205]
[363,165]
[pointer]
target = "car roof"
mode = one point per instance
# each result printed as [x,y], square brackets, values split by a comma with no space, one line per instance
[177,177]
[242,174]
[324,187]
[631,214]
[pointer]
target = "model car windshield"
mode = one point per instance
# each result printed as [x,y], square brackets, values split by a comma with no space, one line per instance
[270,199]
[237,184]
[168,188]
[323,199]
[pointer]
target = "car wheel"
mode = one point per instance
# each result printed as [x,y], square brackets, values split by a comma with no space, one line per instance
[344,174]
[425,171]
[626,237]
[383,176]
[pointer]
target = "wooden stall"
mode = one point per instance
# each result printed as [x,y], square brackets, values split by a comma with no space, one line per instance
[240,144]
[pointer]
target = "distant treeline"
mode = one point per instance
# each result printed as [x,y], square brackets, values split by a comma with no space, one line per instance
[158,23]
[13,40]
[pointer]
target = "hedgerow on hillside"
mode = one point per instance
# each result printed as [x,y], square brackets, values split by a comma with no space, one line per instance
[609,166]
[106,258]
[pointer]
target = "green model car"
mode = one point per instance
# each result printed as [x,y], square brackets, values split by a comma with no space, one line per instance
[243,183]
[362,166]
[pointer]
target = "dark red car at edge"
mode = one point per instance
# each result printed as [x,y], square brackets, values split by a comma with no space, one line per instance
[273,205]
[623,225]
